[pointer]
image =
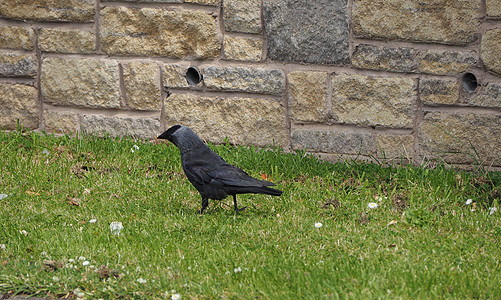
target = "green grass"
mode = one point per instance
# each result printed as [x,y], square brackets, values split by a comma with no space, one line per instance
[422,241]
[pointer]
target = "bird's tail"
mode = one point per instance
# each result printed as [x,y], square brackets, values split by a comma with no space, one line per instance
[261,190]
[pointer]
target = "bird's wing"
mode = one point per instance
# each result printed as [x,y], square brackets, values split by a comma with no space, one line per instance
[230,175]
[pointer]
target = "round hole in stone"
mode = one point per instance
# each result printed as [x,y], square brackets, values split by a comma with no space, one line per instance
[470,82]
[193,76]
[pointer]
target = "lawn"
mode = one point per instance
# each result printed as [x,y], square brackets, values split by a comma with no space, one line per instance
[342,230]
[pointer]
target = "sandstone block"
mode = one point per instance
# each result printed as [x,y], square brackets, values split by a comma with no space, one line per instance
[244,49]
[489,95]
[333,141]
[17,65]
[384,58]
[49,10]
[18,102]
[247,121]
[205,2]
[456,137]
[308,96]
[142,85]
[14,37]
[491,50]
[445,62]
[251,80]
[153,31]
[66,41]
[120,126]
[314,31]
[493,8]
[174,76]
[61,122]
[374,101]
[395,147]
[82,82]
[242,15]
[438,21]
[148,1]
[438,91]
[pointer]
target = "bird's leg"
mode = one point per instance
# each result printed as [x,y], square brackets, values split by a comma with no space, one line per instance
[205,203]
[237,210]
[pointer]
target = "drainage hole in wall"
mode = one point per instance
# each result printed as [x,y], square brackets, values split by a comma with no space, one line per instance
[470,82]
[193,76]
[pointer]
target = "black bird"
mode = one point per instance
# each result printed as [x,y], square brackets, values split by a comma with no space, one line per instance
[213,177]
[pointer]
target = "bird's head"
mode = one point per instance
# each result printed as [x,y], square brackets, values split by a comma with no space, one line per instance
[183,137]
[169,134]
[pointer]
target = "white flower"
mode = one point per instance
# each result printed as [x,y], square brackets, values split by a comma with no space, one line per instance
[227,273]
[116,227]
[2,196]
[237,270]
[23,232]
[134,148]
[468,202]
[492,210]
[55,278]
[78,292]
[71,260]
[81,258]
[373,205]
[318,225]
[2,246]
[92,221]
[141,280]
[86,263]
[175,297]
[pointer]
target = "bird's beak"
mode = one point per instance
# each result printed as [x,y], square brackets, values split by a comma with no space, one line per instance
[163,136]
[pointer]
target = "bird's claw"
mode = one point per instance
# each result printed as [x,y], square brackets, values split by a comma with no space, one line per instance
[240,209]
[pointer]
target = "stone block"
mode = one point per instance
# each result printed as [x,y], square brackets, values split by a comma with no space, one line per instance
[82,82]
[204,2]
[246,121]
[314,31]
[374,101]
[437,21]
[142,85]
[174,76]
[18,102]
[438,91]
[461,137]
[384,58]
[251,80]
[154,31]
[242,15]
[61,122]
[493,8]
[491,50]
[242,48]
[395,147]
[147,1]
[308,96]
[488,95]
[121,126]
[66,41]
[445,62]
[17,65]
[333,141]
[49,10]
[15,37]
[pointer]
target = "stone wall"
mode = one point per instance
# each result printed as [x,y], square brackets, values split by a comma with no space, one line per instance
[377,79]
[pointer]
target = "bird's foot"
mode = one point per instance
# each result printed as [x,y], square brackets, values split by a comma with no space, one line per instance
[240,209]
